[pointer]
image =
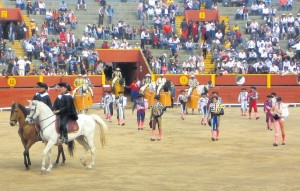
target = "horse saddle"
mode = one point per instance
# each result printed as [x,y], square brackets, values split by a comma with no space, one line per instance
[72,126]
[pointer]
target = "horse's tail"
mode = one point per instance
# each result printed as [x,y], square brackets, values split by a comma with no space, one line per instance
[103,128]
[71,148]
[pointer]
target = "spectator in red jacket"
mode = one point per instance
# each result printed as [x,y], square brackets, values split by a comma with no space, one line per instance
[168,29]
[62,36]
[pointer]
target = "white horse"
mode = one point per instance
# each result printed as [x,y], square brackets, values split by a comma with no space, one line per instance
[42,114]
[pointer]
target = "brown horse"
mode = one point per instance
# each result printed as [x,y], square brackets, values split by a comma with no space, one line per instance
[28,133]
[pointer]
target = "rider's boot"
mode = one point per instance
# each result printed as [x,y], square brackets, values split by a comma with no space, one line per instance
[65,138]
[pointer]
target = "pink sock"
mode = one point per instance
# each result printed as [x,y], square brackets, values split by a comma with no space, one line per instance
[255,114]
[139,124]
[249,114]
[118,121]
[283,138]
[142,124]
[276,138]
[217,137]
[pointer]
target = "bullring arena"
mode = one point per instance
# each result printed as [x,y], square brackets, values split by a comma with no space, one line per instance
[186,158]
[221,45]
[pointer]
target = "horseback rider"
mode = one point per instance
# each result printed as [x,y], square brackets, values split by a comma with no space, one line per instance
[147,82]
[64,107]
[79,81]
[42,95]
[193,83]
[160,82]
[115,76]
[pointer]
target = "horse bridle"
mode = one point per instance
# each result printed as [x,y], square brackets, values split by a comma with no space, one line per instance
[15,111]
[31,117]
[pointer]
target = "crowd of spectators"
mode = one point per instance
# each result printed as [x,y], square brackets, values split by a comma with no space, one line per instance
[259,53]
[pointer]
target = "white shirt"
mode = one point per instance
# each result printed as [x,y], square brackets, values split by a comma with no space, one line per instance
[22,64]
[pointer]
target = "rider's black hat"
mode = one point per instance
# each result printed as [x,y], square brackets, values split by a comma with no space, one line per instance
[42,85]
[64,84]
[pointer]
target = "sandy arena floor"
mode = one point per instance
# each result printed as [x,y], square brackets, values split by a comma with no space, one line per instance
[186,159]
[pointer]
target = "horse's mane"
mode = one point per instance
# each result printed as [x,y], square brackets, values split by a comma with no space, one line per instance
[22,108]
[41,104]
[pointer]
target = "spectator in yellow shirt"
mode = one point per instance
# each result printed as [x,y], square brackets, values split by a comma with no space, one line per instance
[236,28]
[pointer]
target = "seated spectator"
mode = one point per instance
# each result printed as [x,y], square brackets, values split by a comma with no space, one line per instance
[20,4]
[81,3]
[156,42]
[189,46]
[63,6]
[42,7]
[274,69]
[252,56]
[245,13]
[29,8]
[49,15]
[283,5]
[91,40]
[239,13]
[254,9]
[73,21]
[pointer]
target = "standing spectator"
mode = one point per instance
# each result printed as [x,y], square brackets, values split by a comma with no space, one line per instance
[34,27]
[12,32]
[140,10]
[21,62]
[101,15]
[29,49]
[110,13]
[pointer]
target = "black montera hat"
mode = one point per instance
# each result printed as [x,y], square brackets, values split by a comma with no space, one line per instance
[243,88]
[279,99]
[203,93]
[64,84]
[42,85]
[141,95]
[156,97]
[269,96]
[120,92]
[252,87]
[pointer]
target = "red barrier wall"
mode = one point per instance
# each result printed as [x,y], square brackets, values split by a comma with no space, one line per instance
[285,86]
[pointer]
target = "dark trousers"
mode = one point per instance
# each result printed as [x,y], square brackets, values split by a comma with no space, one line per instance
[63,125]
[101,17]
